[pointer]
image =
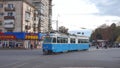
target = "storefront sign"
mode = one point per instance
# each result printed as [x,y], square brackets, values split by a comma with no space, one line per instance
[7,37]
[31,37]
[20,35]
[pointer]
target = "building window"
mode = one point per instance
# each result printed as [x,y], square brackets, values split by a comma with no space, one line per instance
[36,3]
[10,14]
[10,23]
[40,6]
[0,30]
[9,30]
[27,16]
[1,5]
[1,14]
[10,5]
[0,23]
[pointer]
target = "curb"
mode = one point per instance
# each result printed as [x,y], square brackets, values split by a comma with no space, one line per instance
[13,49]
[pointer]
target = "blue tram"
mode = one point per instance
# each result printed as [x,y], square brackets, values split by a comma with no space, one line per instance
[57,42]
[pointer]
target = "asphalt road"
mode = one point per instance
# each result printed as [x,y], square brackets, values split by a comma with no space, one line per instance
[93,58]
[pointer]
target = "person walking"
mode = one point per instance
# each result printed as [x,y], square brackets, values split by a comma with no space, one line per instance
[31,46]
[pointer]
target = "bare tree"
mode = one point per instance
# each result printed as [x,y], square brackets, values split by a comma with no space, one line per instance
[63,29]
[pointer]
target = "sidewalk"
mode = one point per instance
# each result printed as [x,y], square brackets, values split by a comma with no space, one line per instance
[12,48]
[94,48]
[18,48]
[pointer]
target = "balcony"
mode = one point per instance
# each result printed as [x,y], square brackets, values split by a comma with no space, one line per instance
[9,24]
[9,9]
[27,19]
[35,25]
[40,13]
[28,10]
[9,17]
[27,27]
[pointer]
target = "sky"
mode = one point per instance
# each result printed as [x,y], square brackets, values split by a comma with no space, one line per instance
[89,14]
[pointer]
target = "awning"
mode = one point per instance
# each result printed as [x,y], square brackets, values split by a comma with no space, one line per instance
[20,35]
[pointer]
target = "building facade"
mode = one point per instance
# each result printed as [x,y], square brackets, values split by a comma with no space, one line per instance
[44,8]
[17,16]
[25,15]
[30,16]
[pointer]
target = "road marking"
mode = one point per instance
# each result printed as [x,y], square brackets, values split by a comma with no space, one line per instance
[20,65]
[94,49]
[9,64]
[81,67]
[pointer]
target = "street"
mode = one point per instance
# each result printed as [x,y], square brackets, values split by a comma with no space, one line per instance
[93,58]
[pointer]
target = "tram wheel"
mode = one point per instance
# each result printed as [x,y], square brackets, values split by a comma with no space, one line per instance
[50,52]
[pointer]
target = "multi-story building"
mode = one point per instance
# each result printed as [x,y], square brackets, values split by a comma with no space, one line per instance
[25,16]
[44,8]
[17,16]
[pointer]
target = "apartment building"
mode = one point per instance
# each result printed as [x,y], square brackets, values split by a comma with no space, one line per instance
[25,16]
[44,8]
[17,16]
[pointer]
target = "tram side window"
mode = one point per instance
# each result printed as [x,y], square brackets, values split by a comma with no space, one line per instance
[84,41]
[79,40]
[47,40]
[59,40]
[64,40]
[54,40]
[72,40]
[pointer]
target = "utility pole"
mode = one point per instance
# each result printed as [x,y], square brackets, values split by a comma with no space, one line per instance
[56,23]
[57,27]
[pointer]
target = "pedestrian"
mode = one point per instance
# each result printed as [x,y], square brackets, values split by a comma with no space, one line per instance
[105,46]
[3,45]
[97,46]
[31,46]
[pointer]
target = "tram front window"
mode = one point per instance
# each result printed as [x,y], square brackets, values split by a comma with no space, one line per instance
[47,40]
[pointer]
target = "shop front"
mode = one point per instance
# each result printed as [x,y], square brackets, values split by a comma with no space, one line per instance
[20,40]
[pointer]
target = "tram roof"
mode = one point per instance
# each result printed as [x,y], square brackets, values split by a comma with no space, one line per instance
[58,34]
[65,35]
